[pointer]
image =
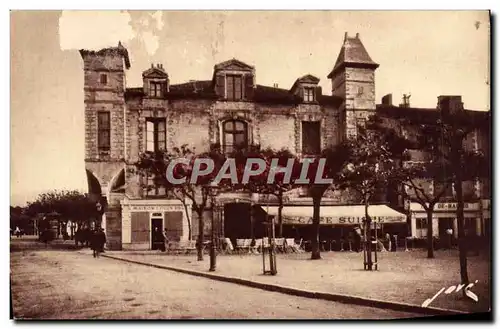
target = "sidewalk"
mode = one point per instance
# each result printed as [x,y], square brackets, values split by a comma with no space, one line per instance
[403,277]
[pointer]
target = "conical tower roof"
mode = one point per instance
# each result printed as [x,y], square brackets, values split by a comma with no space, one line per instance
[352,54]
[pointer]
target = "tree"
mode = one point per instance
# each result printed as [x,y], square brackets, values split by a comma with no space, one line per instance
[184,162]
[368,170]
[335,158]
[290,172]
[440,136]
[275,162]
[72,205]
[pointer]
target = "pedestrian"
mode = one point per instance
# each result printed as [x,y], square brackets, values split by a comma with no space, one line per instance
[449,233]
[159,239]
[17,232]
[101,239]
[357,239]
[94,244]
[165,238]
[388,241]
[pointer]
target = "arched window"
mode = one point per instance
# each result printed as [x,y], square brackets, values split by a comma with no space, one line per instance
[234,135]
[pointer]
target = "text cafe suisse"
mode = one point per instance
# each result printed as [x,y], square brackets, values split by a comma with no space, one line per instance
[341,220]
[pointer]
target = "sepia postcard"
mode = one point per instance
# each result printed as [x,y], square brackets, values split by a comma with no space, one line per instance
[261,165]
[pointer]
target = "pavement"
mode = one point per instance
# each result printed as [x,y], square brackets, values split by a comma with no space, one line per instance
[57,284]
[403,281]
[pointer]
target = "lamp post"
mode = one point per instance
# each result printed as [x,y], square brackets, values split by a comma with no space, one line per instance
[213,191]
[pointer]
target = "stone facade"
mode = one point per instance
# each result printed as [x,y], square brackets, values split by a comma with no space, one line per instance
[194,113]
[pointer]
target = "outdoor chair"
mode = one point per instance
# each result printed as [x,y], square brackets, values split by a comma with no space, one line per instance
[190,246]
[247,245]
[257,246]
[227,245]
[240,245]
[289,245]
[280,244]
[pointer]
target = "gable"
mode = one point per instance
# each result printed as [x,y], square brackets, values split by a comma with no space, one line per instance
[154,73]
[233,65]
[308,79]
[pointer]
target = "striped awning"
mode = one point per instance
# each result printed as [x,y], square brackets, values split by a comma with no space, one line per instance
[337,215]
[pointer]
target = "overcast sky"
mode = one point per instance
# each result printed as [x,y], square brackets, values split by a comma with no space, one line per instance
[423,53]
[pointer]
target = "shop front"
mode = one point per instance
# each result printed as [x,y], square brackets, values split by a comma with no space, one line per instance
[338,223]
[444,220]
[144,220]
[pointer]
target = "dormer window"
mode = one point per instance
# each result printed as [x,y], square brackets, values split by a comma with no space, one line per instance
[309,94]
[155,89]
[234,87]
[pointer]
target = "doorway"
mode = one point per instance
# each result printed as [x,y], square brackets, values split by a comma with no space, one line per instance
[157,242]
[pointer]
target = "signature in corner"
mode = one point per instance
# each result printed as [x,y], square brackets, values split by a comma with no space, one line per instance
[451,289]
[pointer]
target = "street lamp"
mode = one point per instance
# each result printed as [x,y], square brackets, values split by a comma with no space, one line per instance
[213,191]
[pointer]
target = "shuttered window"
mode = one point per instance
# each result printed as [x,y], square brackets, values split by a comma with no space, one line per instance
[311,137]
[104,131]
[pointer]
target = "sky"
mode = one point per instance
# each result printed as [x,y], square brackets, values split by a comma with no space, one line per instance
[423,53]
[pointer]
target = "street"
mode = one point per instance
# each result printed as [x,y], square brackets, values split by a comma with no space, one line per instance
[53,284]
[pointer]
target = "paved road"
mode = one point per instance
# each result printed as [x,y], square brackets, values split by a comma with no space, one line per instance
[54,284]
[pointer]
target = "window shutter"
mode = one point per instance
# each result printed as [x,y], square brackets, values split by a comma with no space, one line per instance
[301,93]
[220,86]
[318,93]
[249,87]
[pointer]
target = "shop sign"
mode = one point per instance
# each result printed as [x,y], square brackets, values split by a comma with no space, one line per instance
[155,208]
[454,205]
[351,220]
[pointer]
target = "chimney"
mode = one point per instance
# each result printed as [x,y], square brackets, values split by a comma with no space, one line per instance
[450,104]
[387,100]
[152,66]
[357,35]
[345,36]
[275,85]
[406,100]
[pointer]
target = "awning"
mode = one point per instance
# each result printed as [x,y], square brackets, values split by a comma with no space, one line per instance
[337,215]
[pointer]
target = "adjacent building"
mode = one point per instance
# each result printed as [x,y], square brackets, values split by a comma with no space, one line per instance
[232,109]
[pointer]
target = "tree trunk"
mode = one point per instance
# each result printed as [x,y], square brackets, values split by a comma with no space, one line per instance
[462,238]
[201,226]
[368,238]
[280,216]
[315,252]
[190,233]
[430,238]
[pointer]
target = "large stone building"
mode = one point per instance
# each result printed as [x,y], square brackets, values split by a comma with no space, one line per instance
[230,109]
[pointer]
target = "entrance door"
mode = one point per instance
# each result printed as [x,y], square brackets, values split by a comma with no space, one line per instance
[157,242]
[444,224]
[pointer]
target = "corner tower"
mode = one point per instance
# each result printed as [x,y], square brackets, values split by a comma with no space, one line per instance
[353,78]
[104,91]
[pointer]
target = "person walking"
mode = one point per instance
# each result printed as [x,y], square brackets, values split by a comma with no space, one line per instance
[357,239]
[165,238]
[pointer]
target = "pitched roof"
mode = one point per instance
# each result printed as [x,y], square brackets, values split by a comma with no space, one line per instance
[155,71]
[308,78]
[353,53]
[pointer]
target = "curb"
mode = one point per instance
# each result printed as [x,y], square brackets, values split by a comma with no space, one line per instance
[346,299]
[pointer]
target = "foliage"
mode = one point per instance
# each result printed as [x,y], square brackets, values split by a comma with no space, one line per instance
[72,205]
[155,164]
